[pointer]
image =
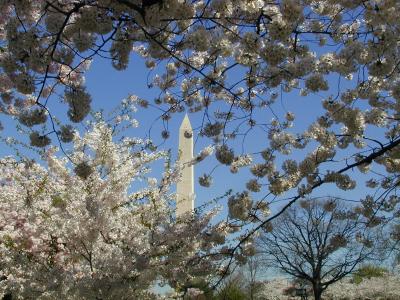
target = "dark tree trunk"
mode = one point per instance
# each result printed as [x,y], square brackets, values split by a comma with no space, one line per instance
[317,291]
[7,296]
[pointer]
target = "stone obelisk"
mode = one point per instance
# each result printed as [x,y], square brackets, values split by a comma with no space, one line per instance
[185,187]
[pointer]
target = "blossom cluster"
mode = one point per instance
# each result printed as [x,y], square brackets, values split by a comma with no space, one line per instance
[74,228]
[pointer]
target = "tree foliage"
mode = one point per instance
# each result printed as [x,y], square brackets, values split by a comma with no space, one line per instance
[232,289]
[101,228]
[368,271]
[236,62]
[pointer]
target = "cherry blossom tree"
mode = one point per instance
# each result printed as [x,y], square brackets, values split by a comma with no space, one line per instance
[100,227]
[236,62]
[320,242]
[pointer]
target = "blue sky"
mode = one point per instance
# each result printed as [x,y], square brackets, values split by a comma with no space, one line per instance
[108,87]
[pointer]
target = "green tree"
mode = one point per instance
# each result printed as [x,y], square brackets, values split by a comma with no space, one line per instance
[233,289]
[368,271]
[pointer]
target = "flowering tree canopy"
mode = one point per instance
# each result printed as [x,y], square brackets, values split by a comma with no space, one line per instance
[231,60]
[101,228]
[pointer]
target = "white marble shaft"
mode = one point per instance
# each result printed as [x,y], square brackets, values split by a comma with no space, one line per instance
[185,187]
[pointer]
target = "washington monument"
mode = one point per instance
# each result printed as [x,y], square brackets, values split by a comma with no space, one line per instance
[185,187]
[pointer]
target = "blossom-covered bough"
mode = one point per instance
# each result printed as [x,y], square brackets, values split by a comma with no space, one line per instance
[101,228]
[231,60]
